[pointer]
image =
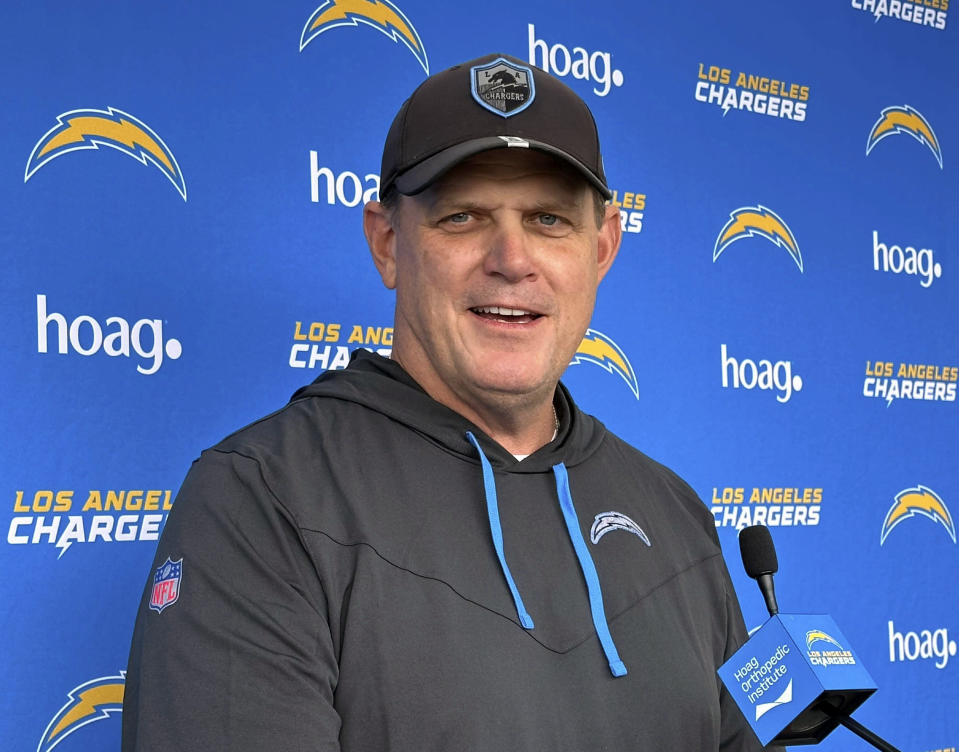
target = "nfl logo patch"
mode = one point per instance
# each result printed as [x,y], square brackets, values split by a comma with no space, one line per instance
[166,584]
[503,87]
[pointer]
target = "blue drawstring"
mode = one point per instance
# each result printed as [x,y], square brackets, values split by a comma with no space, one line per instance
[492,509]
[616,666]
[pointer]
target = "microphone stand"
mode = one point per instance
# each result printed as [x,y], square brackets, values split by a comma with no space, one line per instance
[857,728]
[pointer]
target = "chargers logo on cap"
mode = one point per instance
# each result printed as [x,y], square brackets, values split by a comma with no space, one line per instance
[90,129]
[913,501]
[92,701]
[380,14]
[749,221]
[503,87]
[904,119]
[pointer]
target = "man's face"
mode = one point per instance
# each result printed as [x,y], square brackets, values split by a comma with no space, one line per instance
[495,268]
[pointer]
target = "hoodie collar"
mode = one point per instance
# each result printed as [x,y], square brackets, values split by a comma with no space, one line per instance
[383,385]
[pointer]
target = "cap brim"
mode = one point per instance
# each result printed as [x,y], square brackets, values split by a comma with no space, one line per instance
[420,176]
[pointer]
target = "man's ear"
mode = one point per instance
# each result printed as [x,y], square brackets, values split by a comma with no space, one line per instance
[607,246]
[381,238]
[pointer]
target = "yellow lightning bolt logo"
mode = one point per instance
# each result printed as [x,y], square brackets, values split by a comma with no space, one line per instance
[904,119]
[380,14]
[90,702]
[816,635]
[90,129]
[919,500]
[600,350]
[749,221]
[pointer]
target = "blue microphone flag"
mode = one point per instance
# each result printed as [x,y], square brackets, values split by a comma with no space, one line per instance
[786,669]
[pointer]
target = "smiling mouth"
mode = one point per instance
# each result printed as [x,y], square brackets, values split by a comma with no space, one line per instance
[505,315]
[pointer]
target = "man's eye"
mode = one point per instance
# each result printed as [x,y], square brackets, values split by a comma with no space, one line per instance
[549,219]
[458,218]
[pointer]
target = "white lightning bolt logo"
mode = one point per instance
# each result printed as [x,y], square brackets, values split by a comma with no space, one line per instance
[605,522]
[62,546]
[66,538]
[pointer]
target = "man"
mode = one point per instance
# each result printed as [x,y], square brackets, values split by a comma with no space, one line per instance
[440,551]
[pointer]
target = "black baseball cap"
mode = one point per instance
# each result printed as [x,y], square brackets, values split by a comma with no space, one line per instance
[493,102]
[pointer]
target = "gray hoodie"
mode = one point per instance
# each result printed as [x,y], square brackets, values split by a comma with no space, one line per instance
[331,578]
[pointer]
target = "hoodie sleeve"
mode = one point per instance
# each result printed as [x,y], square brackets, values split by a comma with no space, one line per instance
[242,658]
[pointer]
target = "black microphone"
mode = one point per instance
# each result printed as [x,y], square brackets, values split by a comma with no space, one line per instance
[759,560]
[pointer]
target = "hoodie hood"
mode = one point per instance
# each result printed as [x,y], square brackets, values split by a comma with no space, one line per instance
[382,385]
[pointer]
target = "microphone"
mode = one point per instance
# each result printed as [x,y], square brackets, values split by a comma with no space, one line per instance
[760,562]
[795,679]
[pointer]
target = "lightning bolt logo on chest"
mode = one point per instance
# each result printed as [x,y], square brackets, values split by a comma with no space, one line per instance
[606,522]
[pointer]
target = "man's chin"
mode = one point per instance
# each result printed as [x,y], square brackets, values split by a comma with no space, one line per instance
[515,384]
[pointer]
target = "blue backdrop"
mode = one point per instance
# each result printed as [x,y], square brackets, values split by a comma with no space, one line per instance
[183,185]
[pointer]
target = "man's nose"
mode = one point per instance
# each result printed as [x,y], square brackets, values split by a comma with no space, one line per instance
[510,253]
